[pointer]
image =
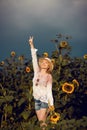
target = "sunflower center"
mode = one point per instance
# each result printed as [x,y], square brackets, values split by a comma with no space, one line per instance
[54,116]
[68,88]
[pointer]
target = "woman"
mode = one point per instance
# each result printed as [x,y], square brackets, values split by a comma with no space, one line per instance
[42,84]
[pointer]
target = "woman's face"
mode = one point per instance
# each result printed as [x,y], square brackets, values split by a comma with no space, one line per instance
[44,64]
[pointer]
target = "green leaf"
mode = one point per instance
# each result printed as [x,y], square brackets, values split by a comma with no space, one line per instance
[25,114]
[9,98]
[2,100]
[8,109]
[21,101]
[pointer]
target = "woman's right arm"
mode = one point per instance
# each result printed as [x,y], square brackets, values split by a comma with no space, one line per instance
[34,55]
[31,42]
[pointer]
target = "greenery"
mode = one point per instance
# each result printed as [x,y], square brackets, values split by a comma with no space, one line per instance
[16,100]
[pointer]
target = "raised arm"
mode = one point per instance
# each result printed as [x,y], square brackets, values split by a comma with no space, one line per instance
[34,55]
[31,42]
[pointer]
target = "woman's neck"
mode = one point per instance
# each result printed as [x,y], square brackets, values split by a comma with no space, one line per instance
[43,71]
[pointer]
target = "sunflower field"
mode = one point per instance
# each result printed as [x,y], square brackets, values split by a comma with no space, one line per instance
[69,92]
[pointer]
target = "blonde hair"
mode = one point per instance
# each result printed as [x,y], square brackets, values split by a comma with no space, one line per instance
[50,64]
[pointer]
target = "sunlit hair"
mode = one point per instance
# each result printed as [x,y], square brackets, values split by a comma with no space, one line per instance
[50,64]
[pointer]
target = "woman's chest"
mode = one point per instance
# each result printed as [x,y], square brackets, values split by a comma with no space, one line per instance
[41,80]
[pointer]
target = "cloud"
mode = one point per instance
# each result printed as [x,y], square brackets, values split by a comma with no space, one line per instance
[68,15]
[51,12]
[43,18]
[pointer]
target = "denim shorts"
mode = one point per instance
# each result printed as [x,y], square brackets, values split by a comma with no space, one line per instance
[39,104]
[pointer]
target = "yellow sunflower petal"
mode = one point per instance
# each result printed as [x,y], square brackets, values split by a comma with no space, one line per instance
[67,87]
[27,69]
[85,56]
[75,82]
[13,53]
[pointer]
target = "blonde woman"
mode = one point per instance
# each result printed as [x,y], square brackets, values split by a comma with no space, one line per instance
[42,84]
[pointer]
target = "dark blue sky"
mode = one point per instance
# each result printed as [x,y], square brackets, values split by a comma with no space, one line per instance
[43,19]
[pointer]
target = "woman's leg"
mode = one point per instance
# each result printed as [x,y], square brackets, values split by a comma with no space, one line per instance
[41,114]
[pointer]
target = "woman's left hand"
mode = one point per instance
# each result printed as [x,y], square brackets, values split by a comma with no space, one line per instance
[51,108]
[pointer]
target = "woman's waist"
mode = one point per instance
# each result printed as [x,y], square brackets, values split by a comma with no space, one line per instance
[40,89]
[41,98]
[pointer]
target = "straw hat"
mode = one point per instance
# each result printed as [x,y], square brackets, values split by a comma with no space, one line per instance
[49,61]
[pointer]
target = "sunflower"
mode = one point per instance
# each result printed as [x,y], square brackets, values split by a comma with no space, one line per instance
[45,54]
[85,56]
[2,63]
[54,118]
[67,87]
[21,58]
[27,69]
[75,82]
[53,61]
[13,53]
[63,44]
